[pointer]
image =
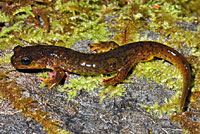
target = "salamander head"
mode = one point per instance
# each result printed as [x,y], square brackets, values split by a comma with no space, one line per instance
[31,57]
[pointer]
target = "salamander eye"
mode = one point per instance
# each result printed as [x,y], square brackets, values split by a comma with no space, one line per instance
[26,60]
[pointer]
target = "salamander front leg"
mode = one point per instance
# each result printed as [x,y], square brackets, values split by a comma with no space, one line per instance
[121,75]
[55,78]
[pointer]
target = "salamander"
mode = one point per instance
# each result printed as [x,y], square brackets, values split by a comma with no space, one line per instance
[119,60]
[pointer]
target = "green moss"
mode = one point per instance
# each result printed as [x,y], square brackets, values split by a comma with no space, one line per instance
[5,59]
[170,106]
[27,11]
[32,35]
[4,18]
[161,72]
[6,39]
[112,91]
[90,83]
[80,25]
[163,21]
[61,131]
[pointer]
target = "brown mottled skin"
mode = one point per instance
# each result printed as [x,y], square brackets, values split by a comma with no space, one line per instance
[120,60]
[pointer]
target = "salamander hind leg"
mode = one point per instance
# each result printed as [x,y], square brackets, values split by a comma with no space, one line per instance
[103,46]
[121,75]
[55,78]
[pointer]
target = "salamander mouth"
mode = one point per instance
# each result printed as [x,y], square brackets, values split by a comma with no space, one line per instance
[36,66]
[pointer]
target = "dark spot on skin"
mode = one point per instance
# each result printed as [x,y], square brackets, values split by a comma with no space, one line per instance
[148,54]
[112,65]
[164,55]
[51,62]
[178,55]
[91,57]
[183,62]
[151,44]
[162,49]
